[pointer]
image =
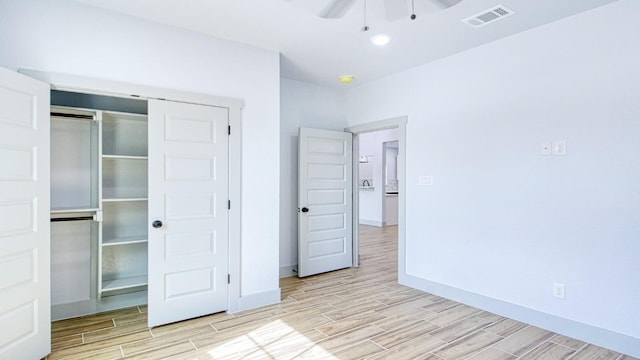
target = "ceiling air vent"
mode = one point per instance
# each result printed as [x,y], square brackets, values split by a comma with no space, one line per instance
[488,16]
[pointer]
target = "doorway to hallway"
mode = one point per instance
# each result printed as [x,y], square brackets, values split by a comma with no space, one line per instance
[370,172]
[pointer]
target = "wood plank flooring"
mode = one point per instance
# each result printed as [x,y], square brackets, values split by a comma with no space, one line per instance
[359,313]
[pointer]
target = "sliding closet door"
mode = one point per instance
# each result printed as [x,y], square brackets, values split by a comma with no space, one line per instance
[188,214]
[25,328]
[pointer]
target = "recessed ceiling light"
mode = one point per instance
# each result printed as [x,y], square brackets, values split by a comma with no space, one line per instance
[380,39]
[346,79]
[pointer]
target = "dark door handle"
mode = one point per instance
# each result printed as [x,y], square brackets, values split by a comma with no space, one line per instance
[304,209]
[157,224]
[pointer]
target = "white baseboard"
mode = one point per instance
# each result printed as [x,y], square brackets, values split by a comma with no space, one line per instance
[584,332]
[252,301]
[93,306]
[371,223]
[288,271]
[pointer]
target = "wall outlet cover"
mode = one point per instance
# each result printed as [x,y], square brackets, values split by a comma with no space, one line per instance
[558,290]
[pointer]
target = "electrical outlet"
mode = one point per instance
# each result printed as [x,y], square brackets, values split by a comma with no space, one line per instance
[545,148]
[558,290]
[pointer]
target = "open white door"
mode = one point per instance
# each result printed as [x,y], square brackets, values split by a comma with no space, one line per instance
[324,201]
[25,315]
[188,195]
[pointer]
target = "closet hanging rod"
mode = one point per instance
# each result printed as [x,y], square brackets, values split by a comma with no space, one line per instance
[74,116]
[74,218]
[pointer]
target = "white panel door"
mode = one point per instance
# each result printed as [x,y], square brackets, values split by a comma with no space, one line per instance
[324,201]
[25,315]
[188,194]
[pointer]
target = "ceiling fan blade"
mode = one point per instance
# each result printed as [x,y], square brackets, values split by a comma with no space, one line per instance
[337,9]
[396,9]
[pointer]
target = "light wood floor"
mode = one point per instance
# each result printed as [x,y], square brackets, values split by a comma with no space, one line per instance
[348,314]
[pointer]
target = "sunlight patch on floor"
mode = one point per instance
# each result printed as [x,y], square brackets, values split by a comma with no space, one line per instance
[276,340]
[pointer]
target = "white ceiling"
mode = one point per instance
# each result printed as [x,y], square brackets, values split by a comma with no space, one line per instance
[318,50]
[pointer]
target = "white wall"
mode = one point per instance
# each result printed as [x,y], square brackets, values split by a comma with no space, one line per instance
[65,37]
[371,211]
[302,105]
[501,223]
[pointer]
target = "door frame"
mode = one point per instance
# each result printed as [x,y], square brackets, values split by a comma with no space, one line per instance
[400,123]
[383,174]
[68,82]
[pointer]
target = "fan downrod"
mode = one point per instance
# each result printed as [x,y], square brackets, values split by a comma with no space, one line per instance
[413,10]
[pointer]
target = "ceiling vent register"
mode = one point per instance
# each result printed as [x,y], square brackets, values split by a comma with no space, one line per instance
[488,16]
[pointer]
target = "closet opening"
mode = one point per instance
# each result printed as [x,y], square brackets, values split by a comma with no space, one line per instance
[99,206]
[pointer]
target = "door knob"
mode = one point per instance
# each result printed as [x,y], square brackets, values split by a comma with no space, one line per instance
[304,209]
[157,224]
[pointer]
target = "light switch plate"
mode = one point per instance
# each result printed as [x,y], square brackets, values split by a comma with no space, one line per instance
[559,147]
[545,148]
[425,180]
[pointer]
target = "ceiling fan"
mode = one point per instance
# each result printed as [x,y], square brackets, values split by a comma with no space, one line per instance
[393,9]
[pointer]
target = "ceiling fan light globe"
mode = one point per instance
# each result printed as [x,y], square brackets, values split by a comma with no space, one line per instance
[380,39]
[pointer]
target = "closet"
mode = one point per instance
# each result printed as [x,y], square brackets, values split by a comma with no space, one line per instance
[99,203]
[113,225]
[109,199]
